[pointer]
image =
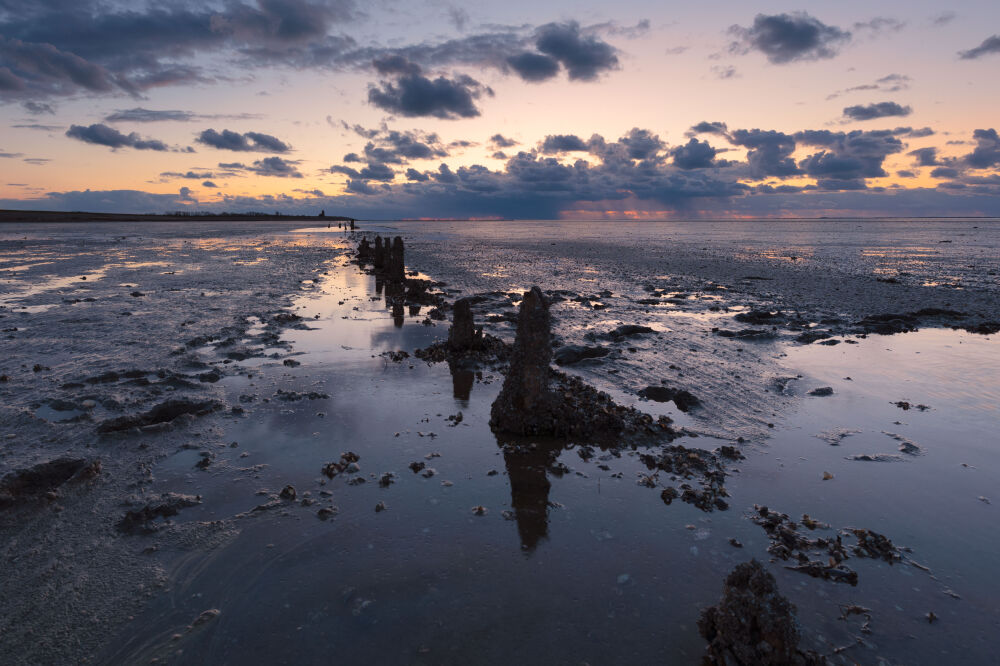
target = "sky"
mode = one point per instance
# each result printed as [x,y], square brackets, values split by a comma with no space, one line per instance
[391,109]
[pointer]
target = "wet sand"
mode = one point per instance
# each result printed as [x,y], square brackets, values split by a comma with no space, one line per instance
[576,556]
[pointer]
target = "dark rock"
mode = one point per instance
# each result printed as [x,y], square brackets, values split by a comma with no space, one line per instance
[169,504]
[812,336]
[162,413]
[822,391]
[44,478]
[571,354]
[748,334]
[753,624]
[288,493]
[629,331]
[761,317]
[684,400]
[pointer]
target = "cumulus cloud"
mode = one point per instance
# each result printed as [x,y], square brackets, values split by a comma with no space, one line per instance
[694,154]
[269,166]
[584,57]
[398,147]
[769,152]
[990,45]
[583,54]
[248,141]
[534,67]
[876,110]
[924,156]
[708,127]
[413,94]
[987,151]
[563,143]
[500,141]
[785,38]
[848,158]
[102,135]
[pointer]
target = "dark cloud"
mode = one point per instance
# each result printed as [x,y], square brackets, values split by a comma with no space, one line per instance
[642,144]
[346,170]
[361,187]
[876,110]
[37,126]
[41,69]
[989,46]
[584,57]
[880,24]
[499,155]
[352,157]
[769,153]
[987,150]
[706,127]
[140,115]
[249,141]
[850,156]
[395,65]
[500,141]
[398,147]
[269,166]
[784,38]
[945,172]
[888,83]
[11,155]
[414,94]
[924,156]
[563,143]
[55,48]
[534,67]
[416,176]
[102,135]
[209,183]
[377,172]
[694,154]
[906,174]
[38,108]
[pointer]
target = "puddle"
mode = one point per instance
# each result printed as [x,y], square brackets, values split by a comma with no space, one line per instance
[572,560]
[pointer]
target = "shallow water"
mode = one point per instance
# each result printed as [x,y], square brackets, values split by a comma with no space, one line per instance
[569,563]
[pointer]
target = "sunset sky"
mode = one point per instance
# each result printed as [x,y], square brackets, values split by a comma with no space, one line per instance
[430,108]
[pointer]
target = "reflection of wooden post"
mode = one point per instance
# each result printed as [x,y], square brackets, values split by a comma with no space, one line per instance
[522,406]
[529,491]
[462,380]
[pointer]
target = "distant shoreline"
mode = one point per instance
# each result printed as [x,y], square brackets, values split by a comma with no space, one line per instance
[82,216]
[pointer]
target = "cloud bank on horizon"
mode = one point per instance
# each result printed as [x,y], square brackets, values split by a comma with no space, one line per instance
[427,109]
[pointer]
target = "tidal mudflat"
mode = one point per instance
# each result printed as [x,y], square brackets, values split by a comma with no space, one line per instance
[258,459]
